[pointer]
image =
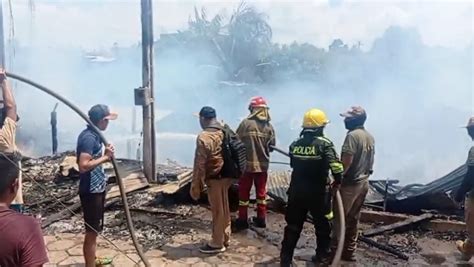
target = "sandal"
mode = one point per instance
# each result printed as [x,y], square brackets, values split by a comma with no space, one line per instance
[100,261]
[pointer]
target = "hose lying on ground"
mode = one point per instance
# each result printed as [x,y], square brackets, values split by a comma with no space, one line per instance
[104,140]
[339,216]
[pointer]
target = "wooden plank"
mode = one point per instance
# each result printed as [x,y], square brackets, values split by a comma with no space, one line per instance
[383,247]
[369,216]
[63,214]
[173,187]
[132,182]
[444,226]
[398,225]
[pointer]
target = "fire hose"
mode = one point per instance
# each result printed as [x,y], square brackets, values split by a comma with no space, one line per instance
[104,140]
[340,215]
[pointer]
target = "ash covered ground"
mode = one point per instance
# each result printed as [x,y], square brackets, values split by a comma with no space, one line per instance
[158,218]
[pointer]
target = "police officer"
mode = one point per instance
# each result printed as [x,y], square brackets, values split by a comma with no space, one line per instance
[312,156]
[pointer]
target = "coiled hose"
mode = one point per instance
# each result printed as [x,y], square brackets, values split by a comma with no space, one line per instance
[340,215]
[104,140]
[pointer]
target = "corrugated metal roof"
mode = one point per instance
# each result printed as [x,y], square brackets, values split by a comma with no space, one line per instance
[278,183]
[408,198]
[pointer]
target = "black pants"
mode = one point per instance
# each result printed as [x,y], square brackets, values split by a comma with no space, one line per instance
[93,211]
[319,205]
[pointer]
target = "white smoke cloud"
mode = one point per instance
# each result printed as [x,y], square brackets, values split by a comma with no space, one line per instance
[415,105]
[97,23]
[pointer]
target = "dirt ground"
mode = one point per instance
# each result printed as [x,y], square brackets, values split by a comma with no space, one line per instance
[172,235]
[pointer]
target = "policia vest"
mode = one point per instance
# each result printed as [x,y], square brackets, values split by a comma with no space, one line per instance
[311,157]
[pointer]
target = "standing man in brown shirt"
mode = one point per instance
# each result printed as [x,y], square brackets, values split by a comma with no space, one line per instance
[357,157]
[258,135]
[465,193]
[208,163]
[21,239]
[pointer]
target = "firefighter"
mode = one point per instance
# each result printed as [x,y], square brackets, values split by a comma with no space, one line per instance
[258,135]
[311,157]
[467,188]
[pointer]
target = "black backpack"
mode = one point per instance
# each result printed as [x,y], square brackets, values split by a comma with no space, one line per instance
[234,154]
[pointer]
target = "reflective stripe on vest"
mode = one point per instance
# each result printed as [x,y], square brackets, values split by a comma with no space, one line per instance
[336,167]
[329,216]
[244,203]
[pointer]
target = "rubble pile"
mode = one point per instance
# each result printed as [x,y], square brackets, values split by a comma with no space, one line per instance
[159,215]
[55,187]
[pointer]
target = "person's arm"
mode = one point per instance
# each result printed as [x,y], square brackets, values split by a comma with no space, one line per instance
[241,129]
[9,103]
[468,181]
[291,153]
[272,142]
[348,151]
[466,185]
[86,161]
[337,168]
[32,249]
[199,170]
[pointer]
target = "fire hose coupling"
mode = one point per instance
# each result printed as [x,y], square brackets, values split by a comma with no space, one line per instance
[143,96]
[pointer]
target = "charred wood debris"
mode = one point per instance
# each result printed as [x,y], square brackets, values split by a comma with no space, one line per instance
[165,209]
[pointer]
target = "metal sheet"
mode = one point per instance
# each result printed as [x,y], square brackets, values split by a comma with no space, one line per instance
[277,184]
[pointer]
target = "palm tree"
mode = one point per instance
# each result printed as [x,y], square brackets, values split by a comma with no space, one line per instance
[202,27]
[249,28]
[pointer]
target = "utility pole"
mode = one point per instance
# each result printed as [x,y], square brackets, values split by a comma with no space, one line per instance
[146,92]
[2,38]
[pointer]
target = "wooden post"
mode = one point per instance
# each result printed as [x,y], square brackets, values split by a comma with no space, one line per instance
[2,38]
[149,148]
[54,130]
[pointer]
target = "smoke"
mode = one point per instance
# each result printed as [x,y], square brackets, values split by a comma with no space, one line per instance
[416,94]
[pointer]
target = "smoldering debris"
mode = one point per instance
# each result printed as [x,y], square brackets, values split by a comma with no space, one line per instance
[162,211]
[54,192]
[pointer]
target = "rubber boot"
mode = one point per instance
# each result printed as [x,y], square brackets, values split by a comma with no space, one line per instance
[286,264]
[466,248]
[240,225]
[349,257]
[259,222]
[288,245]
[322,257]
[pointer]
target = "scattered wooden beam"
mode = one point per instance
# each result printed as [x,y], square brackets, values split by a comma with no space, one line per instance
[63,214]
[133,182]
[398,225]
[158,211]
[372,243]
[62,197]
[173,187]
[368,216]
[444,226]
[383,247]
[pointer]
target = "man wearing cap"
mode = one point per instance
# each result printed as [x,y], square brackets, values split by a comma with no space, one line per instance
[208,163]
[258,135]
[92,185]
[358,152]
[8,126]
[467,187]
